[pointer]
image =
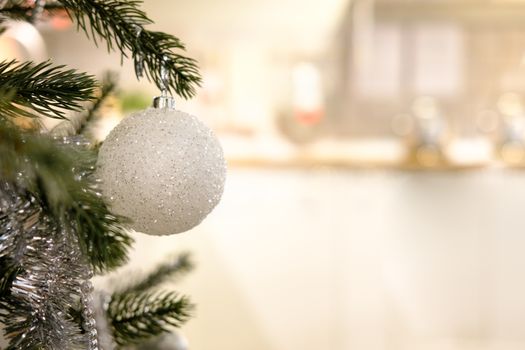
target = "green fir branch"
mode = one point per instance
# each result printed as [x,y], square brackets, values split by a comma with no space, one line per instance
[122,25]
[169,270]
[137,317]
[32,90]
[58,176]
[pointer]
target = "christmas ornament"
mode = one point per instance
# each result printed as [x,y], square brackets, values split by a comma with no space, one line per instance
[162,168]
[22,41]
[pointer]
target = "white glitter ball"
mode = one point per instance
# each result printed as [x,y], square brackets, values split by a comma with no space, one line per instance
[163,169]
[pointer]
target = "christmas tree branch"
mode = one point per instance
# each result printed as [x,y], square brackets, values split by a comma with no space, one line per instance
[137,317]
[31,90]
[182,264]
[122,25]
[58,176]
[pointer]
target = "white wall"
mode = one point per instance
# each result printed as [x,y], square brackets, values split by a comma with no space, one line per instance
[340,260]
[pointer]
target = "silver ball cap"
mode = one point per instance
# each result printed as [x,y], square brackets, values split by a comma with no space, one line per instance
[164,102]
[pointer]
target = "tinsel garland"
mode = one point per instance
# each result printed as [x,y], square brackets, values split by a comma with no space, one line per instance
[51,270]
[50,279]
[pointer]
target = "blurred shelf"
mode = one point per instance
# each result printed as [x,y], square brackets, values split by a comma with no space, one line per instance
[320,163]
[502,12]
[388,154]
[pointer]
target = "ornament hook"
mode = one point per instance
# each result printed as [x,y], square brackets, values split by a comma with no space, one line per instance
[164,78]
[164,101]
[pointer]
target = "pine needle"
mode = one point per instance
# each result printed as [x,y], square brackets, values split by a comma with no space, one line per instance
[33,90]
[137,317]
[122,25]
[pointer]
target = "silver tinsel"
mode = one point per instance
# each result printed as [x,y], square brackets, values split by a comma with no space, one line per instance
[53,278]
[88,316]
[50,268]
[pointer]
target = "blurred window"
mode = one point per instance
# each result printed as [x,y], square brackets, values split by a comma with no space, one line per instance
[438,59]
[378,62]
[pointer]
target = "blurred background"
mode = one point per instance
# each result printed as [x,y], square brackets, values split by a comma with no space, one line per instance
[376,182]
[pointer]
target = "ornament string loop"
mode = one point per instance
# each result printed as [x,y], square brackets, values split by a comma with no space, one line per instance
[164,101]
[164,76]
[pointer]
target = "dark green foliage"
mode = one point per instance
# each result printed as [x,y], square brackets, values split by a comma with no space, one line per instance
[40,89]
[103,237]
[169,270]
[137,312]
[122,25]
[137,317]
[57,176]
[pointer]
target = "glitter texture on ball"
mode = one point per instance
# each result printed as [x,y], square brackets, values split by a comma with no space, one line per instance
[162,168]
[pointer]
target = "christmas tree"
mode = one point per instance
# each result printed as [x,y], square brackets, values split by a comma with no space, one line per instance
[58,226]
